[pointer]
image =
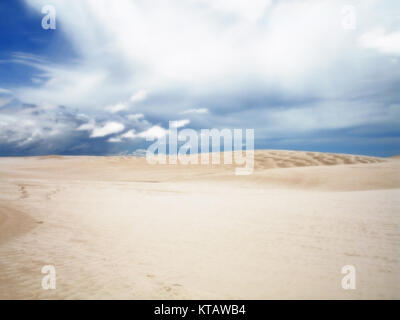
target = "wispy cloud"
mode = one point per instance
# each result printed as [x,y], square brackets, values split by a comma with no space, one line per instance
[179,123]
[135,116]
[382,41]
[196,111]
[141,95]
[89,126]
[4,91]
[117,107]
[109,128]
[154,132]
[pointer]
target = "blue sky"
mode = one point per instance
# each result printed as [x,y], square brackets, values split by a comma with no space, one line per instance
[305,75]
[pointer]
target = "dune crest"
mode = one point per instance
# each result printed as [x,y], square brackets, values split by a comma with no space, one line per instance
[266,159]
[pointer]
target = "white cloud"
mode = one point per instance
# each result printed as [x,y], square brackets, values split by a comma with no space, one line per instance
[129,134]
[89,126]
[136,116]
[117,107]
[110,127]
[382,41]
[153,133]
[238,8]
[179,123]
[122,106]
[114,139]
[39,128]
[139,96]
[286,50]
[150,133]
[4,91]
[196,111]
[282,44]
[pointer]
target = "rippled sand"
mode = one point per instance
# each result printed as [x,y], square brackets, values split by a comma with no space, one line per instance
[116,227]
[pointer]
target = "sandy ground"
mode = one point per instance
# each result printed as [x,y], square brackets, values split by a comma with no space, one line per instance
[116,227]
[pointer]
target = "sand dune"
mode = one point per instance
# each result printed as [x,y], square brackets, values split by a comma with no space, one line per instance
[286,159]
[116,227]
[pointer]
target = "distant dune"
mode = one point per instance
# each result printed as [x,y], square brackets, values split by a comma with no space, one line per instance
[267,159]
[117,227]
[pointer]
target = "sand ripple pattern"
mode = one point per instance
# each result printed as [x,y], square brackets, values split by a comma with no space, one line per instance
[289,159]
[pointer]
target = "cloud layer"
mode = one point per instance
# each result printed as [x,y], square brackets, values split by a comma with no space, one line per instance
[288,69]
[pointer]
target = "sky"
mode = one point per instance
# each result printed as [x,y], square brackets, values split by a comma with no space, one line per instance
[317,75]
